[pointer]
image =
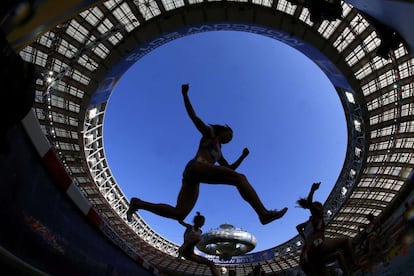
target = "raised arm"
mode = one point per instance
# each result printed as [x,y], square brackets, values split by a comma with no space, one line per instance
[313,210]
[314,187]
[199,124]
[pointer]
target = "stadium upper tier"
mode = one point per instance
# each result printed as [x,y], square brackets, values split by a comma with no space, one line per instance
[82,55]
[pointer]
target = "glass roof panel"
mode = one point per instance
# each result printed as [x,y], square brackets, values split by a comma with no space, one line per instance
[305,17]
[148,8]
[92,15]
[354,56]
[77,31]
[286,7]
[125,15]
[101,51]
[110,4]
[344,39]
[172,4]
[88,63]
[326,28]
[66,49]
[105,26]
[267,3]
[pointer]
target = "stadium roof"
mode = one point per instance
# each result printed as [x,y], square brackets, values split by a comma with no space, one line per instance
[80,57]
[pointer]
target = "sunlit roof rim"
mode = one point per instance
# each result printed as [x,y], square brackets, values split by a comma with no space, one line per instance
[378,86]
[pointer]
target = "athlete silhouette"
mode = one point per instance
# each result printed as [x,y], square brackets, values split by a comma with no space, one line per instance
[203,169]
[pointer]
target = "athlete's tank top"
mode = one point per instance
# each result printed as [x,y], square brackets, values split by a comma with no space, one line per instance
[192,233]
[213,147]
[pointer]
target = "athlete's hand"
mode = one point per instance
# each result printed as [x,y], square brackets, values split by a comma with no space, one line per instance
[184,88]
[245,152]
[315,186]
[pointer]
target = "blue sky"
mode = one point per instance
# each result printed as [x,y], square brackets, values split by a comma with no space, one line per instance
[279,104]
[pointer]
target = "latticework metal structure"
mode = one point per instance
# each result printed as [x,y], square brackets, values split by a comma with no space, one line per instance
[378,100]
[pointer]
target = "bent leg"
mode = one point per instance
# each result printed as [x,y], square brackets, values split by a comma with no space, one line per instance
[207,173]
[202,260]
[186,200]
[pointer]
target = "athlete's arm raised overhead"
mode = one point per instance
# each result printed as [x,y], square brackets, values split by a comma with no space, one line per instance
[312,208]
[199,124]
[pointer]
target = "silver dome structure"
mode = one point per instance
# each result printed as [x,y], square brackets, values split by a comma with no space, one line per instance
[227,241]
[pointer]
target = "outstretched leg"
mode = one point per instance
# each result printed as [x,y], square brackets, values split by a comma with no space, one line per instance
[186,200]
[207,173]
[202,260]
[249,194]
